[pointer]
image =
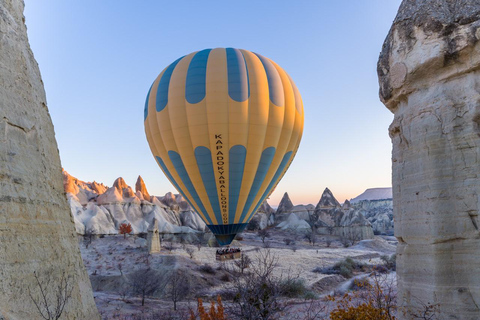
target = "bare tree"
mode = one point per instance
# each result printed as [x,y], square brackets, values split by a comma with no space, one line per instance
[311,310]
[353,236]
[311,236]
[243,263]
[200,241]
[146,282]
[328,241]
[88,236]
[51,294]
[178,287]
[257,293]
[263,233]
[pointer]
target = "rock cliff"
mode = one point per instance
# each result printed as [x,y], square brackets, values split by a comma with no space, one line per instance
[429,71]
[37,234]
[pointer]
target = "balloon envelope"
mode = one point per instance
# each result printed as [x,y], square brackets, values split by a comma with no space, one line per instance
[224,125]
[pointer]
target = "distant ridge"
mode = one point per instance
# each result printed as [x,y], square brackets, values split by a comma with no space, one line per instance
[374,194]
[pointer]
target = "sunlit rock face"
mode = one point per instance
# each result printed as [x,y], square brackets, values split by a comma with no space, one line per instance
[429,75]
[99,209]
[37,233]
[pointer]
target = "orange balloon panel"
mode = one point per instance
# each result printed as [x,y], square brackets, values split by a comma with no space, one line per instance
[224,125]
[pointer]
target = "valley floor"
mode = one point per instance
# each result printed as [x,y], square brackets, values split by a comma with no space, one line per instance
[112,260]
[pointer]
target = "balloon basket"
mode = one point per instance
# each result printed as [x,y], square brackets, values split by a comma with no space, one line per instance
[228,255]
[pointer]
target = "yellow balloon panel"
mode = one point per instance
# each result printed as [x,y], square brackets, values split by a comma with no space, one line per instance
[224,126]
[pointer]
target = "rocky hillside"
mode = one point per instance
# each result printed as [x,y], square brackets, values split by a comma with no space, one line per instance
[371,212]
[100,209]
[373,194]
[376,205]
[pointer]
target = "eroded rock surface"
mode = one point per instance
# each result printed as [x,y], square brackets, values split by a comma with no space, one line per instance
[37,232]
[103,213]
[429,78]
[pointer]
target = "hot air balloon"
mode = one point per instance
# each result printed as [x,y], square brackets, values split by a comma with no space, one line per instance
[224,125]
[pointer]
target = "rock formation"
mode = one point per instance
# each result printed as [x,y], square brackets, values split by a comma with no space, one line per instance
[373,194]
[102,213]
[327,201]
[285,204]
[140,188]
[263,218]
[429,75]
[37,234]
[328,217]
[379,213]
[153,238]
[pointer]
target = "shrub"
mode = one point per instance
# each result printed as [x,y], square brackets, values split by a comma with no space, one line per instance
[345,271]
[214,313]
[225,277]
[344,268]
[329,270]
[390,262]
[377,301]
[293,288]
[206,268]
[380,268]
[360,284]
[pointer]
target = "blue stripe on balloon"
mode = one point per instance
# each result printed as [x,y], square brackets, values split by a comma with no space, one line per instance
[237,75]
[275,86]
[237,157]
[162,91]
[248,77]
[274,181]
[195,87]
[145,112]
[205,166]
[182,172]
[263,166]
[175,184]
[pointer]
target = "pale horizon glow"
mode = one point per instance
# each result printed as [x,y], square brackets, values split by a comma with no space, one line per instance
[98,59]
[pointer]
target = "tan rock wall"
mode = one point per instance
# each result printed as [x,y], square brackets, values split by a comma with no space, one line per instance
[430,79]
[36,229]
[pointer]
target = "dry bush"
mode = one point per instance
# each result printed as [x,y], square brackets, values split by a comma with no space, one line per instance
[375,300]
[51,294]
[257,294]
[214,313]
[390,262]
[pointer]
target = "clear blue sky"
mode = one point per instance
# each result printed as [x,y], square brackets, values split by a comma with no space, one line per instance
[98,59]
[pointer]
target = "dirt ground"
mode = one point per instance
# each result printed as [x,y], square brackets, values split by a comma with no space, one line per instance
[110,259]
